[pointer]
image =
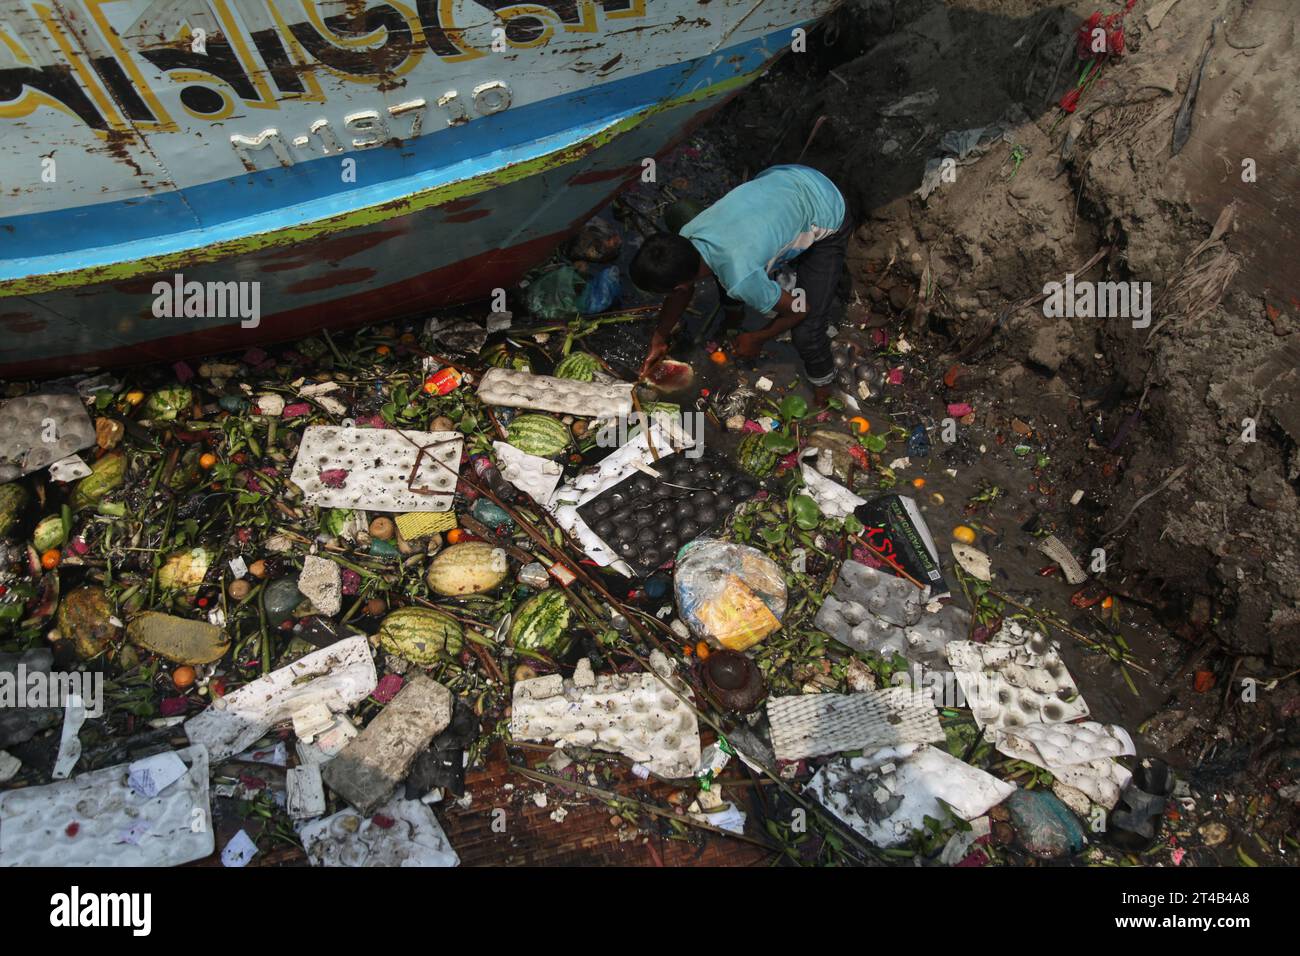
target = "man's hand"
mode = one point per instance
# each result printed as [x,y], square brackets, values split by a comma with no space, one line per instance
[748,345]
[658,349]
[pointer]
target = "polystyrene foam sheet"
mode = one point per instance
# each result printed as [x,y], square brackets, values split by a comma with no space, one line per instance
[517,389]
[339,676]
[810,725]
[888,795]
[98,819]
[375,468]
[400,833]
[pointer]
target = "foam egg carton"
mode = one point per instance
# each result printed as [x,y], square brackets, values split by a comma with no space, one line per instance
[400,833]
[27,422]
[1010,685]
[810,725]
[630,457]
[1062,745]
[1080,755]
[517,389]
[1101,781]
[888,795]
[97,819]
[379,463]
[338,676]
[871,610]
[631,714]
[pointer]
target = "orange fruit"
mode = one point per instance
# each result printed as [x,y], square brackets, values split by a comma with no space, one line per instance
[382,350]
[183,676]
[51,558]
[207,460]
[964,534]
[918,482]
[860,424]
[702,651]
[455,535]
[719,357]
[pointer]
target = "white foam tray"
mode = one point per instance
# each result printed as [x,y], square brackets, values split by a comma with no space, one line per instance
[339,676]
[414,838]
[513,388]
[379,462]
[888,795]
[632,456]
[96,819]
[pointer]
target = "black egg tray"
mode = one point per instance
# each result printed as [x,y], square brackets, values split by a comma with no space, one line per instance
[645,520]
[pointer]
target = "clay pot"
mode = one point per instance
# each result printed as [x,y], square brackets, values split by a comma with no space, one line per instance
[734,681]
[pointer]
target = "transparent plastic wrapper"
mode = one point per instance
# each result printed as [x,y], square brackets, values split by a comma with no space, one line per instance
[730,594]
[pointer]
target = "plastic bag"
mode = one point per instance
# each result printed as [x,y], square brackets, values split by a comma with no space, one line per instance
[554,294]
[732,595]
[601,292]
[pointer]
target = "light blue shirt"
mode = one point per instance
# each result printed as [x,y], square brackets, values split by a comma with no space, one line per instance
[761,224]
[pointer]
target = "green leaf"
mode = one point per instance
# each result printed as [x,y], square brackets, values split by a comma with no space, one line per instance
[806,513]
[778,442]
[873,443]
[793,406]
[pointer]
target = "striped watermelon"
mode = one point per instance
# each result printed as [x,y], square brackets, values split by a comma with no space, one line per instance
[541,435]
[420,634]
[754,456]
[498,356]
[541,623]
[579,366]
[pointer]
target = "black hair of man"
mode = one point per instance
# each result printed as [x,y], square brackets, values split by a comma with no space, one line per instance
[664,262]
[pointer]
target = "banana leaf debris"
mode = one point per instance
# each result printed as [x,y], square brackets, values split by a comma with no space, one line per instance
[423,575]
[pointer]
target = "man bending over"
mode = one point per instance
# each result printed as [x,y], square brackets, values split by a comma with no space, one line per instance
[784,214]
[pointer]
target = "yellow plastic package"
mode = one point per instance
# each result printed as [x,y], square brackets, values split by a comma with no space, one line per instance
[732,595]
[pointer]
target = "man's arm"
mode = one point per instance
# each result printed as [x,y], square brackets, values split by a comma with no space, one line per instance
[748,344]
[670,313]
